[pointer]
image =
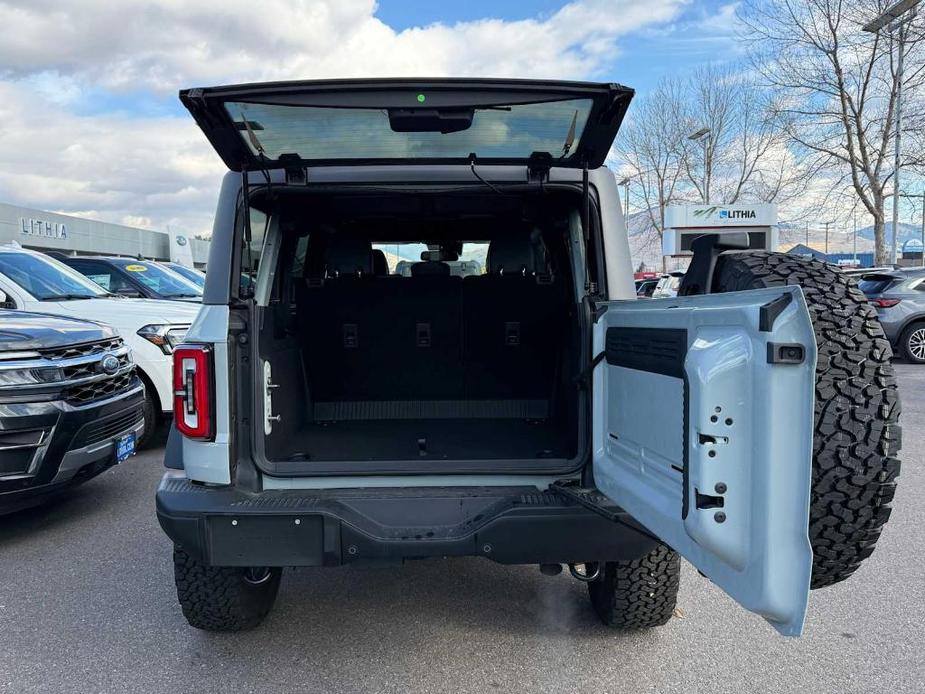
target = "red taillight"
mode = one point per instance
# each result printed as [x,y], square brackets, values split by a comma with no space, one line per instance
[193,396]
[884,303]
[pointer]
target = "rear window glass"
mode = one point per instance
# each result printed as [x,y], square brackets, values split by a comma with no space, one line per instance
[875,284]
[399,258]
[316,133]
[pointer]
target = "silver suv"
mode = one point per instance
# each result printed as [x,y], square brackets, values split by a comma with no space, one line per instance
[899,297]
[335,411]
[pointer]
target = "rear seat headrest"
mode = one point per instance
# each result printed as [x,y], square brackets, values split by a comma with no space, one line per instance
[348,256]
[380,265]
[430,268]
[516,254]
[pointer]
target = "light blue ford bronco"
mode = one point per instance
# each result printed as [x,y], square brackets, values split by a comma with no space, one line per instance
[439,353]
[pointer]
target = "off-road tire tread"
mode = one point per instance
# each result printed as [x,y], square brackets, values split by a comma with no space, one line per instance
[638,594]
[217,598]
[856,432]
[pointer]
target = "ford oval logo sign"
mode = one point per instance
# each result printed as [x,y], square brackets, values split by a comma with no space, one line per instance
[109,364]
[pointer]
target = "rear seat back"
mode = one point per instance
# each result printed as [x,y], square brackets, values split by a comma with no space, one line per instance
[430,336]
[513,321]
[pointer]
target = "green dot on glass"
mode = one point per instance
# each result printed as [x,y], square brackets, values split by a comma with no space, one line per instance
[421,98]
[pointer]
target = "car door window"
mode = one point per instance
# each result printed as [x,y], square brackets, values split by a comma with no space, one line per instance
[107,277]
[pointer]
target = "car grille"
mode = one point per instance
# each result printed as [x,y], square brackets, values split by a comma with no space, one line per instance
[106,429]
[82,350]
[72,373]
[103,388]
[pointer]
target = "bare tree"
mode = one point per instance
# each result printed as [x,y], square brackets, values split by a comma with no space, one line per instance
[653,154]
[744,155]
[837,88]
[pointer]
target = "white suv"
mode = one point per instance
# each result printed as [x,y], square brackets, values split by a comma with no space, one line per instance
[32,281]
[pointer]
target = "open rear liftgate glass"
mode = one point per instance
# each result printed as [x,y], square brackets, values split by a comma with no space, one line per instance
[703,432]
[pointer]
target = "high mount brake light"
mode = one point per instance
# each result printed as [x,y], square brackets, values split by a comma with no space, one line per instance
[884,303]
[194,392]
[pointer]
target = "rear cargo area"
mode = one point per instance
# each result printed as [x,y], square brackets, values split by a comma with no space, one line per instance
[449,357]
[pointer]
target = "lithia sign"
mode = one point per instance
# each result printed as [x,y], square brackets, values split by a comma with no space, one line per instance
[39,227]
[700,216]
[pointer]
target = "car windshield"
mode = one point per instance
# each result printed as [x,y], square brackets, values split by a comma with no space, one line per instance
[875,284]
[46,279]
[158,278]
[502,132]
[189,274]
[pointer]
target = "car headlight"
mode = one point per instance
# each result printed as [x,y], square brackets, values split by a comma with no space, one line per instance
[24,369]
[165,337]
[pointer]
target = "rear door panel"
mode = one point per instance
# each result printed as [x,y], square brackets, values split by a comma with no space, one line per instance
[707,440]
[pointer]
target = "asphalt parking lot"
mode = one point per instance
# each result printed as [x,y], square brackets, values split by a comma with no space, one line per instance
[87,605]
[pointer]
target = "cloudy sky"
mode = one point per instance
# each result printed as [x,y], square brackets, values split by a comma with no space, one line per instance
[90,123]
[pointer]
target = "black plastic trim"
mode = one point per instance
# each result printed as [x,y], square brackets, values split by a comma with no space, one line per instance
[769,312]
[654,350]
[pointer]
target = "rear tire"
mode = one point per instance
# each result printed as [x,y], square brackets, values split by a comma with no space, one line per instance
[855,423]
[912,343]
[638,594]
[222,598]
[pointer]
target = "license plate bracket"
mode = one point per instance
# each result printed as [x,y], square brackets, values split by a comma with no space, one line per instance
[125,447]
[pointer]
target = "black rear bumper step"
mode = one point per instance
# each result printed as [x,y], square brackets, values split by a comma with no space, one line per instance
[511,525]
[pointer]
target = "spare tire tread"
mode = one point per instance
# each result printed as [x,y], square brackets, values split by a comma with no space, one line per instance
[856,415]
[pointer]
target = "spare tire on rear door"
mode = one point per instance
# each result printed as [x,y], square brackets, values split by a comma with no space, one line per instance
[856,432]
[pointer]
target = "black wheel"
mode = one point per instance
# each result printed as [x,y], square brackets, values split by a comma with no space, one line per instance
[856,430]
[151,414]
[912,343]
[222,598]
[638,594]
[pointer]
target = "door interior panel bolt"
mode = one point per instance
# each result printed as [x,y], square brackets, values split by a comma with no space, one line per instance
[720,488]
[719,517]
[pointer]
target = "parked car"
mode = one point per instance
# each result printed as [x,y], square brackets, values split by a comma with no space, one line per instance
[667,285]
[190,274]
[899,297]
[645,288]
[32,281]
[71,405]
[531,414]
[144,279]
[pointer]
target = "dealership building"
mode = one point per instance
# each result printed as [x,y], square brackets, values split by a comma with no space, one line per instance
[47,231]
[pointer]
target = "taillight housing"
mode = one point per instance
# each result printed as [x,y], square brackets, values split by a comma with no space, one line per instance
[884,303]
[194,392]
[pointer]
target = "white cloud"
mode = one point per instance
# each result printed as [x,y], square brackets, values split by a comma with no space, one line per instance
[63,145]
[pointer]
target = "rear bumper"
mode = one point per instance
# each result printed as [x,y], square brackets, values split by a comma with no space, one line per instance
[222,526]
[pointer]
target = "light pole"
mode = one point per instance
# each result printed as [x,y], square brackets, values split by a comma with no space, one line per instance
[892,19]
[827,224]
[855,247]
[626,195]
[702,136]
